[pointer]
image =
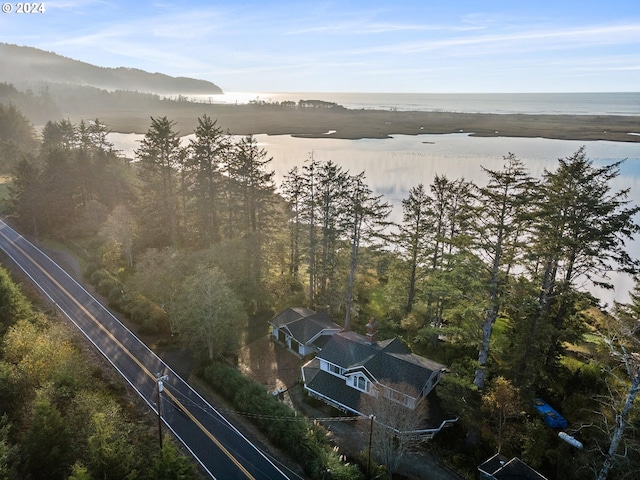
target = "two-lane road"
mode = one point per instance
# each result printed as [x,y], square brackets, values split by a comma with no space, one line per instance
[216,444]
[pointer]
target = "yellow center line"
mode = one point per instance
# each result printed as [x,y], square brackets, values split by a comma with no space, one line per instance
[142,367]
[181,406]
[81,307]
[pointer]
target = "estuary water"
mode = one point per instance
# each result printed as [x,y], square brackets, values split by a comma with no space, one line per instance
[394,165]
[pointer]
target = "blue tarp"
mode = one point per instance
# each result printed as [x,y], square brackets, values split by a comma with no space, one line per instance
[551,417]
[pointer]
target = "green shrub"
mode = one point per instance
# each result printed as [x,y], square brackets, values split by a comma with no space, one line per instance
[97,275]
[116,298]
[137,308]
[306,442]
[90,268]
[249,398]
[14,306]
[106,285]
[339,469]
[224,379]
[148,327]
[158,317]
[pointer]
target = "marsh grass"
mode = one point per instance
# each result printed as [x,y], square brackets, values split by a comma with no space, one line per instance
[356,124]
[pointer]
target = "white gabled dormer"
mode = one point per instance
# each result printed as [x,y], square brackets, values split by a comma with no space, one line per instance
[331,368]
[360,382]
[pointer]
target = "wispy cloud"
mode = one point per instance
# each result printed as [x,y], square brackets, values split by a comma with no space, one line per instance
[517,41]
[362,28]
[342,45]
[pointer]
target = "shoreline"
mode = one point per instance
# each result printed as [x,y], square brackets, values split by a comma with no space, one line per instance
[359,124]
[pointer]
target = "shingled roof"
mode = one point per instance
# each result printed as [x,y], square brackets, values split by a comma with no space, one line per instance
[289,315]
[501,468]
[389,361]
[331,387]
[303,324]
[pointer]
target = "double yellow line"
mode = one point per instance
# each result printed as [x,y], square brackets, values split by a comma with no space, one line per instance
[133,357]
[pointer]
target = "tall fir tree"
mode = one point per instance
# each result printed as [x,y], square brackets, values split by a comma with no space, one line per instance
[364,222]
[413,236]
[580,231]
[25,196]
[292,189]
[448,214]
[254,207]
[331,205]
[17,137]
[500,223]
[210,151]
[160,155]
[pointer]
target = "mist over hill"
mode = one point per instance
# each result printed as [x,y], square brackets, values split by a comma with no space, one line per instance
[30,67]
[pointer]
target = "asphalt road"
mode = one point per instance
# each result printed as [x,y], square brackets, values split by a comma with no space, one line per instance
[222,451]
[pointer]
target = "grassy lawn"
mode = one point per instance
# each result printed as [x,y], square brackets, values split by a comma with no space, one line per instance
[581,353]
[588,346]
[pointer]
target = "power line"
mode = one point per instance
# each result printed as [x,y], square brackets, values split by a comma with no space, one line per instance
[295,417]
[187,401]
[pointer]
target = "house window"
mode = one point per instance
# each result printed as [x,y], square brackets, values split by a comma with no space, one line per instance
[335,369]
[361,383]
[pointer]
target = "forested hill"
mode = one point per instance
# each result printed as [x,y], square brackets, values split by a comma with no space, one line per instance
[21,65]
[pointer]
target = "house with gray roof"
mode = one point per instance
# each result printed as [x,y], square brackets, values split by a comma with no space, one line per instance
[303,330]
[499,467]
[351,365]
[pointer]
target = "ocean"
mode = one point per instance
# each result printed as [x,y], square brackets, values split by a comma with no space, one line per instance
[616,103]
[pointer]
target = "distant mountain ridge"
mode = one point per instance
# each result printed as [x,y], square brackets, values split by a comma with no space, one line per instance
[22,65]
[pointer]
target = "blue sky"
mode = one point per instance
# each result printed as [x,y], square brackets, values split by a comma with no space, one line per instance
[443,46]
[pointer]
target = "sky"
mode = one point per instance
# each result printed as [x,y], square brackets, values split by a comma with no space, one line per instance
[404,46]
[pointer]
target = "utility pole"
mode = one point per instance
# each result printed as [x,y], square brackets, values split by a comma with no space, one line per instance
[159,380]
[371,417]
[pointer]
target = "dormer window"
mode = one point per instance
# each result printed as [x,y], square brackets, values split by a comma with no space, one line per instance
[360,382]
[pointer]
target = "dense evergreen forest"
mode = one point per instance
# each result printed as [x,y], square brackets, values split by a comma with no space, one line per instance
[63,417]
[191,240]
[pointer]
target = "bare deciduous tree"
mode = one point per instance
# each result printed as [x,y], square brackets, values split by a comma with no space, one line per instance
[394,424]
[623,340]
